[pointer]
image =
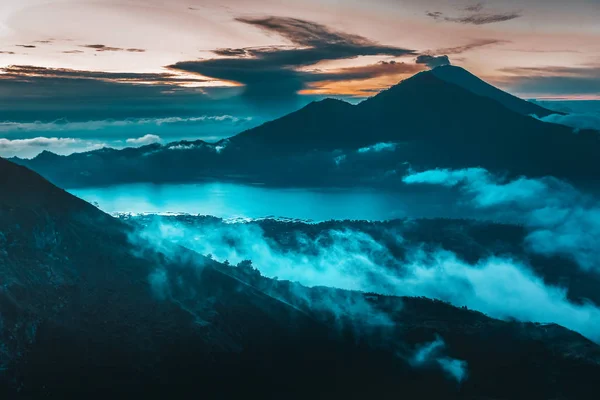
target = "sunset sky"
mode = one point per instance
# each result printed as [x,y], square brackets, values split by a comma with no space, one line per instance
[204,68]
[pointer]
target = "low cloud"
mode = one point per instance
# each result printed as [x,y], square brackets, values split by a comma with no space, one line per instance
[560,219]
[378,147]
[112,132]
[30,147]
[354,260]
[577,121]
[485,189]
[432,355]
[344,308]
[144,140]
[63,125]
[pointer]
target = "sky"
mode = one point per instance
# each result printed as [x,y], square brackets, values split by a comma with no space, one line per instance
[102,72]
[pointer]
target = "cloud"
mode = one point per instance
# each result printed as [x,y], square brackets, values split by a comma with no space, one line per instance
[475,16]
[560,71]
[477,43]
[31,147]
[484,18]
[570,106]
[432,354]
[30,93]
[29,71]
[355,260]
[347,309]
[439,57]
[560,219]
[311,34]
[63,125]
[228,52]
[335,81]
[551,80]
[486,190]
[531,50]
[36,142]
[102,48]
[475,7]
[433,61]
[382,68]
[274,73]
[115,133]
[159,284]
[577,121]
[144,140]
[378,147]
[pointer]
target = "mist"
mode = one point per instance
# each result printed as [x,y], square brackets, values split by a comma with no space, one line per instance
[578,121]
[432,355]
[561,219]
[498,286]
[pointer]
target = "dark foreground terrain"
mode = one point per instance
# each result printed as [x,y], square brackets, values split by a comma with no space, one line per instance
[88,309]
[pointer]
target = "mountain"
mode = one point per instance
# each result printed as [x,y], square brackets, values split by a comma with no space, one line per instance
[323,124]
[424,122]
[91,309]
[463,78]
[80,313]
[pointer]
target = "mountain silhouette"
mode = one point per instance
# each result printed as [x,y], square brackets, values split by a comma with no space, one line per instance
[453,120]
[463,78]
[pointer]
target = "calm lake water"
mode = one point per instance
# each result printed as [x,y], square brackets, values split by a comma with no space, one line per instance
[230,200]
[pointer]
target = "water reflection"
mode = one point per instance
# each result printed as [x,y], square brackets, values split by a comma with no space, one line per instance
[230,200]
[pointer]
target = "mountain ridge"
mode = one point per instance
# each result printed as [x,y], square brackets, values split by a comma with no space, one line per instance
[465,79]
[429,121]
[91,309]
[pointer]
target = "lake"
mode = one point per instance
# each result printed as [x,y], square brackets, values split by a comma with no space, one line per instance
[231,200]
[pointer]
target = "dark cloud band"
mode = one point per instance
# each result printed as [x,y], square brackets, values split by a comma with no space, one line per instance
[475,16]
[275,73]
[102,48]
[555,81]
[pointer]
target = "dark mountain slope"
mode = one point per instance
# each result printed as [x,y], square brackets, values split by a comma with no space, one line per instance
[80,313]
[451,127]
[423,107]
[91,310]
[25,189]
[327,123]
[467,80]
